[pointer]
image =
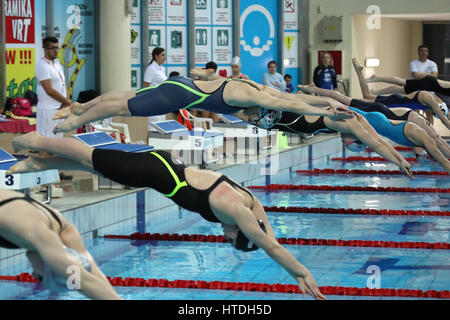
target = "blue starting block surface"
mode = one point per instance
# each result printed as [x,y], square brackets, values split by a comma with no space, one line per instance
[22,181]
[102,140]
[229,119]
[169,127]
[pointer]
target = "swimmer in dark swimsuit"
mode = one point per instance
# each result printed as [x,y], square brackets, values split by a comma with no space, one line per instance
[401,125]
[227,96]
[215,197]
[418,100]
[53,246]
[416,95]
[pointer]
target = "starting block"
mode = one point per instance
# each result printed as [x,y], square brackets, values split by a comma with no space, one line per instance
[194,147]
[24,181]
[243,138]
[102,140]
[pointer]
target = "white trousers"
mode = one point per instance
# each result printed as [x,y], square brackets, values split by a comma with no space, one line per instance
[45,123]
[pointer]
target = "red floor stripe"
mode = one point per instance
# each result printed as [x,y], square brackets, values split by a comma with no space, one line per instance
[370,172]
[275,187]
[359,211]
[257,287]
[378,159]
[287,241]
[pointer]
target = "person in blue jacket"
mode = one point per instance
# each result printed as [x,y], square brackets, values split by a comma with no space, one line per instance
[325,74]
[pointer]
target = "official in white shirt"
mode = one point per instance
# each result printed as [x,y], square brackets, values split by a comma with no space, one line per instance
[51,89]
[423,67]
[154,75]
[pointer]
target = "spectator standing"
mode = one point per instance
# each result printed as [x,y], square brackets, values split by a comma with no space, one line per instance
[325,75]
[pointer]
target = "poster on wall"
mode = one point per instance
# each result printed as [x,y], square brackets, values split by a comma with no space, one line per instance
[20,40]
[135,16]
[176,11]
[135,78]
[202,11]
[222,12]
[290,14]
[157,38]
[74,23]
[290,49]
[19,22]
[20,71]
[156,11]
[222,46]
[258,37]
[136,44]
[202,45]
[177,45]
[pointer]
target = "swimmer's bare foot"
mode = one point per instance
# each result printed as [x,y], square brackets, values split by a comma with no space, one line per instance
[65,112]
[310,88]
[357,65]
[25,141]
[373,78]
[31,164]
[66,126]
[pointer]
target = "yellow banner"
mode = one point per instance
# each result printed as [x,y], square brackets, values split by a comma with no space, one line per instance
[20,71]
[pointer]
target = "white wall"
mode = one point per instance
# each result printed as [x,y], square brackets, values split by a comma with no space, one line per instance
[348,8]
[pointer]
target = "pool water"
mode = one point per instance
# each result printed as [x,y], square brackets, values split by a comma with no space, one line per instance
[330,265]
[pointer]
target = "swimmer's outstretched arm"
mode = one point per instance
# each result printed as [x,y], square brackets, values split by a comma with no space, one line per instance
[419,136]
[392,80]
[247,223]
[336,95]
[249,97]
[361,129]
[431,100]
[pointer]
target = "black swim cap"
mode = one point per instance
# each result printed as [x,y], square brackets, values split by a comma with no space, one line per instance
[244,244]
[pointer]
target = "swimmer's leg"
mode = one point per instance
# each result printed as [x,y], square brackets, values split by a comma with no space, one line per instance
[444,84]
[34,164]
[79,108]
[362,82]
[69,148]
[389,90]
[392,80]
[100,111]
[311,88]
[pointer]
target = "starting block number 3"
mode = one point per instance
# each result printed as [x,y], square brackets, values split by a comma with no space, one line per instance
[9,180]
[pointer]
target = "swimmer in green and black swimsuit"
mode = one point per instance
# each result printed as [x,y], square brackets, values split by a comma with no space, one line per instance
[215,197]
[226,96]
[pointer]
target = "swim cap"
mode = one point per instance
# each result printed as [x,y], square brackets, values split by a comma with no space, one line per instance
[244,244]
[58,284]
[444,109]
[355,145]
[236,61]
[267,118]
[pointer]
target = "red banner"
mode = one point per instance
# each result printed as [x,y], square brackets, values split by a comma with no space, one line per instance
[19,21]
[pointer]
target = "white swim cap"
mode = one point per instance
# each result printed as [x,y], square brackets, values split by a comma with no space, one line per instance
[355,145]
[57,284]
[444,109]
[236,61]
